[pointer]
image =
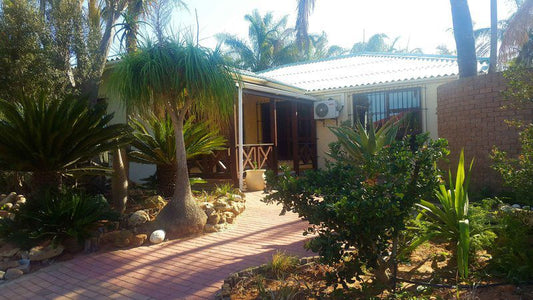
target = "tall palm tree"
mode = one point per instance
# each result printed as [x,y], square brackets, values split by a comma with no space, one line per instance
[305,8]
[179,78]
[517,32]
[269,43]
[376,43]
[464,38]
[493,64]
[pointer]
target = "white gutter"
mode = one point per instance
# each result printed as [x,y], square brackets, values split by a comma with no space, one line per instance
[240,138]
[275,91]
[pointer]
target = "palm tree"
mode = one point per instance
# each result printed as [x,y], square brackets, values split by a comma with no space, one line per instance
[269,44]
[179,78]
[305,8]
[154,144]
[517,32]
[376,43]
[52,137]
[464,38]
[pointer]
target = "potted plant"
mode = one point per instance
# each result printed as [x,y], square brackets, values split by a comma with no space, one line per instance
[255,179]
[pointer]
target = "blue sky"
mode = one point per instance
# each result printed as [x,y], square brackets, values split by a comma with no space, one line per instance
[421,23]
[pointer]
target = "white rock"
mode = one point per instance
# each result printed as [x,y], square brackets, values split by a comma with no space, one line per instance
[2,273]
[526,207]
[139,217]
[157,236]
[516,206]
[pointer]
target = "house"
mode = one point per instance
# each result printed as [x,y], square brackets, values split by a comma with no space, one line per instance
[282,115]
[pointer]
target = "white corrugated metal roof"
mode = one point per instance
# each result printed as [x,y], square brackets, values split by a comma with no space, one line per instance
[362,69]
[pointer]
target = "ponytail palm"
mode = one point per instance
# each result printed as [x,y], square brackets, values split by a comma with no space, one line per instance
[179,78]
[154,144]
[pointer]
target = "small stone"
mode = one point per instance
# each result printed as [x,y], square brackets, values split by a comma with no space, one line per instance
[24,266]
[4,265]
[8,206]
[2,274]
[209,209]
[526,207]
[9,198]
[506,208]
[138,240]
[20,201]
[516,206]
[41,253]
[8,250]
[123,238]
[213,219]
[157,236]
[139,217]
[155,202]
[13,274]
[210,228]
[220,227]
[229,216]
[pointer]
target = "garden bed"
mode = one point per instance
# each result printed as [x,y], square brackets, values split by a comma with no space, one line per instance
[430,266]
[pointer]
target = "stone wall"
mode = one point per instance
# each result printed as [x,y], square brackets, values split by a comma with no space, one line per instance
[470,116]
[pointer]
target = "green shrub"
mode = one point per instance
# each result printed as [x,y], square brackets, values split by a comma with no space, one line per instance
[356,211]
[56,217]
[512,251]
[518,172]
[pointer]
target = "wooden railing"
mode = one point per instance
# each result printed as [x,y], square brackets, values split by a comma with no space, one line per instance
[257,156]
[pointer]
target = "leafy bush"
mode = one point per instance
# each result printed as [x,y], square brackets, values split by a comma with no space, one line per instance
[518,172]
[356,211]
[56,217]
[512,251]
[52,138]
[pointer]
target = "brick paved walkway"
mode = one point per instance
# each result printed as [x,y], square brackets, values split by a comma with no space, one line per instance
[182,269]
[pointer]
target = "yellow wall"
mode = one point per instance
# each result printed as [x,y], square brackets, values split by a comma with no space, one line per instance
[252,118]
[429,112]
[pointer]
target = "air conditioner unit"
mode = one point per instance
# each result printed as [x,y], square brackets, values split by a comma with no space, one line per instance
[326,110]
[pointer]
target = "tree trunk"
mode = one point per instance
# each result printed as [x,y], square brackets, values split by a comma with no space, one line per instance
[464,38]
[182,215]
[493,63]
[45,180]
[166,179]
[134,10]
[119,180]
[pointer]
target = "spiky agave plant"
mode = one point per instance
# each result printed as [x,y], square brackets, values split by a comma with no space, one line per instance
[359,142]
[154,144]
[56,137]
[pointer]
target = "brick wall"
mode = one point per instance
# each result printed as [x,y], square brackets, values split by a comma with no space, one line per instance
[470,116]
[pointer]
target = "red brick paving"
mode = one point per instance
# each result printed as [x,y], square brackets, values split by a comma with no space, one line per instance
[191,268]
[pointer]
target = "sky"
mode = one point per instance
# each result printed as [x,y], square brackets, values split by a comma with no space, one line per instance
[419,23]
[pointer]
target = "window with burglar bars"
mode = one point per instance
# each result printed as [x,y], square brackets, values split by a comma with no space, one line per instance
[379,107]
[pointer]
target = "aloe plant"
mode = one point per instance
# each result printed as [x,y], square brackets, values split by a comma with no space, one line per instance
[154,144]
[450,220]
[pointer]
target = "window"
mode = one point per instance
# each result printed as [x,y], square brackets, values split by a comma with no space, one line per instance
[379,107]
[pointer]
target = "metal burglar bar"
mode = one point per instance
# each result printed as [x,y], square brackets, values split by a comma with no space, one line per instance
[379,107]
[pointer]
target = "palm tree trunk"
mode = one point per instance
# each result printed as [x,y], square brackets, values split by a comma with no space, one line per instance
[119,181]
[45,180]
[182,215]
[493,36]
[464,38]
[166,179]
